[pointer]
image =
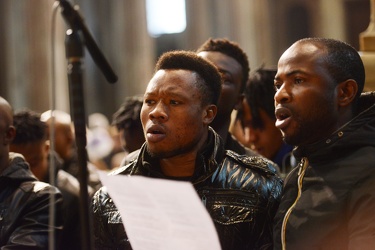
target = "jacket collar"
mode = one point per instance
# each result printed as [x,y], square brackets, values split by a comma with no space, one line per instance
[350,136]
[18,169]
[206,163]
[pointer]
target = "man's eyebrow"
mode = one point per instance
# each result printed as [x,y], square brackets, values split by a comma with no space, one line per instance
[293,72]
[298,71]
[224,72]
[173,93]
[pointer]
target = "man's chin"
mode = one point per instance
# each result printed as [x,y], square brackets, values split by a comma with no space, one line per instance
[158,154]
[286,137]
[292,140]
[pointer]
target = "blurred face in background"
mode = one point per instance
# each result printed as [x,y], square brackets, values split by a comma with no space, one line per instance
[231,73]
[64,140]
[36,154]
[131,138]
[266,140]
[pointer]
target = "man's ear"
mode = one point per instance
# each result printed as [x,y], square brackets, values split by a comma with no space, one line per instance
[209,114]
[346,92]
[46,145]
[9,135]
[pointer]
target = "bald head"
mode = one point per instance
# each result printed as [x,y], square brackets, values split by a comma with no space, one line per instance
[6,112]
[7,132]
[64,138]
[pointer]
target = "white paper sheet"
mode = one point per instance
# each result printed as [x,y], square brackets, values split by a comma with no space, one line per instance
[161,214]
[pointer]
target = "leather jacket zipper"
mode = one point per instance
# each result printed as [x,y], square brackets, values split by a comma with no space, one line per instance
[301,173]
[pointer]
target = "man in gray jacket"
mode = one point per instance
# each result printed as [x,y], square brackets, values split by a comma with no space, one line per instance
[329,198]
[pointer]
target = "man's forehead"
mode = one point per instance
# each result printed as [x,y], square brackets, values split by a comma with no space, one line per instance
[300,55]
[167,77]
[302,49]
[221,60]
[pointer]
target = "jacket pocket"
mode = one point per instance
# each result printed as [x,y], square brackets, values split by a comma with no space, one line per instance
[229,206]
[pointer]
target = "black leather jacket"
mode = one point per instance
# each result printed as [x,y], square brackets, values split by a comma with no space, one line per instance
[24,208]
[241,194]
[335,209]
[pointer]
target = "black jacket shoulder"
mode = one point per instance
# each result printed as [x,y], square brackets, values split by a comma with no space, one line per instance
[257,163]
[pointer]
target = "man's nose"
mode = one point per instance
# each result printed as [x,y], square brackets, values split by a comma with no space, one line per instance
[159,112]
[282,95]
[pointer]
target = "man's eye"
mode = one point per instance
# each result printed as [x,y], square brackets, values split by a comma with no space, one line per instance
[277,86]
[149,102]
[173,102]
[298,80]
[226,78]
[227,82]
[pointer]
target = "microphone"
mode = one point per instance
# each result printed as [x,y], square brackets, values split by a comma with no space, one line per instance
[75,21]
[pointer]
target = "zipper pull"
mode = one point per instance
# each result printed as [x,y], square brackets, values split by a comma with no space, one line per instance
[204,200]
[302,165]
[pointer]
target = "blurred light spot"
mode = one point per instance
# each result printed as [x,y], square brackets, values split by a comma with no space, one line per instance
[165,16]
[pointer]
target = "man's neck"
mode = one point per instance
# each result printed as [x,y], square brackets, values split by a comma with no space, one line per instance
[4,163]
[222,129]
[178,166]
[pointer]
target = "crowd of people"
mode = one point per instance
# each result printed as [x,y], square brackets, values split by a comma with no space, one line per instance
[293,169]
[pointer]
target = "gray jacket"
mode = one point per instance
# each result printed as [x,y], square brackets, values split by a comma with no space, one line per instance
[336,181]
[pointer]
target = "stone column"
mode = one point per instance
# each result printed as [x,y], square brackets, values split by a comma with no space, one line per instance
[246,22]
[325,27]
[367,50]
[120,30]
[26,53]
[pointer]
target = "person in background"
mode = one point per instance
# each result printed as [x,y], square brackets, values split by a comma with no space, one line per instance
[255,124]
[100,143]
[31,141]
[24,200]
[233,65]
[241,193]
[328,200]
[64,138]
[64,145]
[128,124]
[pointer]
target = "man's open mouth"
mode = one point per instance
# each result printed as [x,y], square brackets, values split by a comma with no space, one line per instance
[283,116]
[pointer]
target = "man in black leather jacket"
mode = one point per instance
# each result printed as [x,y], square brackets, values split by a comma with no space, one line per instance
[31,142]
[233,65]
[24,201]
[240,193]
[329,198]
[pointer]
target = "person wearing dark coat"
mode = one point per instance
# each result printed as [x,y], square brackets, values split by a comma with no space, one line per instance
[240,193]
[25,201]
[328,200]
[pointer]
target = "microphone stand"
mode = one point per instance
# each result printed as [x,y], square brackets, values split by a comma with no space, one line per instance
[75,21]
[74,53]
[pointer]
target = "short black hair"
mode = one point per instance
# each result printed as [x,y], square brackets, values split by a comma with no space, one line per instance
[128,115]
[343,61]
[231,49]
[259,94]
[210,85]
[29,127]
